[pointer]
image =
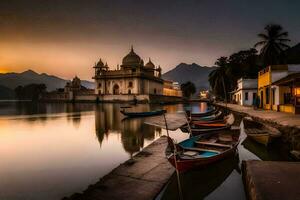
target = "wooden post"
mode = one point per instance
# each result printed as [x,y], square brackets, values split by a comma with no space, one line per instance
[174,154]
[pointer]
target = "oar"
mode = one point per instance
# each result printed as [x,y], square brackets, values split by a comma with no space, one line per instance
[175,153]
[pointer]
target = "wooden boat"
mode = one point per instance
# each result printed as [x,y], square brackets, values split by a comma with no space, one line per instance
[142,114]
[210,112]
[261,133]
[198,128]
[215,116]
[203,150]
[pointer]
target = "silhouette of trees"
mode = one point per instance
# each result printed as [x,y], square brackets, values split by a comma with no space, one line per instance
[218,76]
[188,89]
[274,42]
[247,63]
[30,92]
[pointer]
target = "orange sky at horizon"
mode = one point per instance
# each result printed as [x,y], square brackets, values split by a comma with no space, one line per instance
[65,59]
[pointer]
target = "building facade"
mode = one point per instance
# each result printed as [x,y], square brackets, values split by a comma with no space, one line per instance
[131,79]
[273,93]
[73,91]
[246,92]
[171,88]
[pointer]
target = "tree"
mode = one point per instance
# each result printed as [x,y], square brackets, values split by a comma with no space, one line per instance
[188,89]
[218,76]
[274,42]
[30,92]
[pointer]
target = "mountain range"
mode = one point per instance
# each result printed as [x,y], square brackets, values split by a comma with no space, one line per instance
[190,72]
[9,81]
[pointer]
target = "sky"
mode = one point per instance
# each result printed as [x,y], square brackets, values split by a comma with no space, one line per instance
[66,37]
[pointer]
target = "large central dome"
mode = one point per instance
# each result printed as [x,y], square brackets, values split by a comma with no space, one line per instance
[132,59]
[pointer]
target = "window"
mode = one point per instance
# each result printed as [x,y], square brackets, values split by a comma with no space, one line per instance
[267,95]
[154,90]
[246,96]
[129,91]
[130,84]
[99,85]
[99,92]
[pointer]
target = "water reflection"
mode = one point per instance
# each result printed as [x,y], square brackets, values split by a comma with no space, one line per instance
[197,184]
[109,120]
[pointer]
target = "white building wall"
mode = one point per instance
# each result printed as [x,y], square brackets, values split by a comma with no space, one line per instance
[249,101]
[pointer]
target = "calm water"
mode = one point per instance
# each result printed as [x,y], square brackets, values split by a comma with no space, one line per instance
[49,151]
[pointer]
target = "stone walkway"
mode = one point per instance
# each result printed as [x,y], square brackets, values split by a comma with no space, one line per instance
[281,118]
[142,177]
[270,180]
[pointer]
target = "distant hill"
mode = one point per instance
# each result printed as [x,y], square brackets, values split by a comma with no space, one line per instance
[12,80]
[190,72]
[293,54]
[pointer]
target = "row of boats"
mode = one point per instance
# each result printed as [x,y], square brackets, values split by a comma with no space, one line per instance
[212,137]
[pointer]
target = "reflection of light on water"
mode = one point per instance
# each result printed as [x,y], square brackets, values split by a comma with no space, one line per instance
[200,107]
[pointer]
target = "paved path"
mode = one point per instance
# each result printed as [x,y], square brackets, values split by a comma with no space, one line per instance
[269,180]
[284,119]
[142,177]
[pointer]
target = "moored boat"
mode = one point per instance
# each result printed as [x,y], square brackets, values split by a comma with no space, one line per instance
[215,116]
[200,127]
[208,113]
[142,114]
[261,133]
[203,150]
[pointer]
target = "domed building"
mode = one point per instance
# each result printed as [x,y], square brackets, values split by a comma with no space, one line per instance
[132,79]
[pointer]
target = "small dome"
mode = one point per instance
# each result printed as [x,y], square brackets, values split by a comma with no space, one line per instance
[99,64]
[150,64]
[132,59]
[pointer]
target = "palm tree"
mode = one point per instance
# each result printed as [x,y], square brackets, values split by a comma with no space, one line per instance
[273,42]
[217,78]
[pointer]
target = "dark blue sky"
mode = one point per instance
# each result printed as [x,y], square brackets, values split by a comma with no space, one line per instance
[72,35]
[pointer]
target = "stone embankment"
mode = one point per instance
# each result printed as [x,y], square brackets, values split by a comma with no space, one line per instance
[270,180]
[287,123]
[141,177]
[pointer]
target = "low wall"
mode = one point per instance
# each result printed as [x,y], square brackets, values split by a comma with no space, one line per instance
[123,98]
[164,99]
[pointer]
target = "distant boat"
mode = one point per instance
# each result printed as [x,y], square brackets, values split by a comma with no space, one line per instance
[203,150]
[261,133]
[142,114]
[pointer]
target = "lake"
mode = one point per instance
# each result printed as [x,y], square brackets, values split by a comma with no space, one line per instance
[49,151]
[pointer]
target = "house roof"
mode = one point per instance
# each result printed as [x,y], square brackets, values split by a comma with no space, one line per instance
[288,79]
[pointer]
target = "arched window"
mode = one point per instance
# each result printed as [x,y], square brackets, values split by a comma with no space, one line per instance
[99,92]
[129,91]
[154,90]
[99,85]
[116,89]
[130,84]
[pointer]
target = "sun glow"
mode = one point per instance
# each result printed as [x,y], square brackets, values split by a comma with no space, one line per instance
[2,71]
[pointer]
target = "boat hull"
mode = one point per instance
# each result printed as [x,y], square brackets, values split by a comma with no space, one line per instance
[264,139]
[142,114]
[185,165]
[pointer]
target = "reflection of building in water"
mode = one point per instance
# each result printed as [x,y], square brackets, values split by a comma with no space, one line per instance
[108,120]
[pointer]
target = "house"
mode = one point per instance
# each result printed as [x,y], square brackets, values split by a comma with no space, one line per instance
[246,92]
[273,92]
